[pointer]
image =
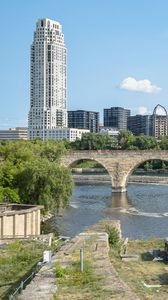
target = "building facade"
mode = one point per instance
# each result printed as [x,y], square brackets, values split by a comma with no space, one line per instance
[12,134]
[70,134]
[48,79]
[84,120]
[140,124]
[109,131]
[116,117]
[159,122]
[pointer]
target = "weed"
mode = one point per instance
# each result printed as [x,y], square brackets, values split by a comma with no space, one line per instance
[59,271]
[113,235]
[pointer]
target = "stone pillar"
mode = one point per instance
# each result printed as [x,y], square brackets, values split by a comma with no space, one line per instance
[117,179]
[119,189]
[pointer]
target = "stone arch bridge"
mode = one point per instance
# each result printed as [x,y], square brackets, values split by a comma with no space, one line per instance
[119,163]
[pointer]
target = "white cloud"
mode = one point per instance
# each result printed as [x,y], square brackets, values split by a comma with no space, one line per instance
[142,110]
[145,86]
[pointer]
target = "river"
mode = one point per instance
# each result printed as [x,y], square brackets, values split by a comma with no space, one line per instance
[142,211]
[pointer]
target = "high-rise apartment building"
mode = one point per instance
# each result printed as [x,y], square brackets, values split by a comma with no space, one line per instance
[116,117]
[159,122]
[84,120]
[48,79]
[140,124]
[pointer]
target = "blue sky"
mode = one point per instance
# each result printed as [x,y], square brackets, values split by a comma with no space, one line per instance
[113,46]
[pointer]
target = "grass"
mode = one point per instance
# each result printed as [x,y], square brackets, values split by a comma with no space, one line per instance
[16,260]
[73,284]
[135,273]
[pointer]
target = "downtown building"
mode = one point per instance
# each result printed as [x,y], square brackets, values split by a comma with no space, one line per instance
[155,125]
[159,122]
[116,117]
[84,120]
[48,80]
[14,134]
[140,124]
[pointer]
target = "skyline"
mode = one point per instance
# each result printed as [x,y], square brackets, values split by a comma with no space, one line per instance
[116,55]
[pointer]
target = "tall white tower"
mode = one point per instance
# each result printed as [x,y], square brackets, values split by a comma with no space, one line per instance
[48,79]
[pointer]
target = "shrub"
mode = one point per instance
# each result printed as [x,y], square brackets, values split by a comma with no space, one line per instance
[113,235]
[59,271]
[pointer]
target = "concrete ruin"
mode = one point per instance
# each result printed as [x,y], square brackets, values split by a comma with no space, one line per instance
[19,220]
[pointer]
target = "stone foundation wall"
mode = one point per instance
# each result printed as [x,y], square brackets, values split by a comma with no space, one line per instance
[19,223]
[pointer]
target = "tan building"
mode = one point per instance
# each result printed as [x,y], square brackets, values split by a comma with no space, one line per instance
[159,122]
[19,221]
[16,133]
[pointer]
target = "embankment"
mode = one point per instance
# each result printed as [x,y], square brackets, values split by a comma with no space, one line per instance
[132,178]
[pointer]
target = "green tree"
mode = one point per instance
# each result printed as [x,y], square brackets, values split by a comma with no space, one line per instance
[9,195]
[147,166]
[164,143]
[30,172]
[126,140]
[95,141]
[45,183]
[145,142]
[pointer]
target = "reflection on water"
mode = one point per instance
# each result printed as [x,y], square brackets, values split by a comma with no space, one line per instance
[143,210]
[119,201]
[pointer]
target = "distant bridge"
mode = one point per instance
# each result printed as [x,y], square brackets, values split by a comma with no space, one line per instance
[120,164]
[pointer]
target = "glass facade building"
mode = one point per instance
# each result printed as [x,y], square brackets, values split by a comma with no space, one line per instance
[84,120]
[140,124]
[116,117]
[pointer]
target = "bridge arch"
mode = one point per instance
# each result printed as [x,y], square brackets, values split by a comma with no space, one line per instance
[97,160]
[137,164]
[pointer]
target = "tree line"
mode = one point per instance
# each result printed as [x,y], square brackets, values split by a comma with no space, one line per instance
[125,141]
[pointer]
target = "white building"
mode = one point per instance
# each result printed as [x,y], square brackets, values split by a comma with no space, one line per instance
[113,132]
[48,79]
[71,134]
[12,134]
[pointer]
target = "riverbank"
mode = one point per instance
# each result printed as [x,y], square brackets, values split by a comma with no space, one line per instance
[132,179]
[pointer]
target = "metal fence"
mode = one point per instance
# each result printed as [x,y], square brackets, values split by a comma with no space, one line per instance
[26,281]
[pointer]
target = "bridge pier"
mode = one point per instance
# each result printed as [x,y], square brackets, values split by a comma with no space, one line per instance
[119,189]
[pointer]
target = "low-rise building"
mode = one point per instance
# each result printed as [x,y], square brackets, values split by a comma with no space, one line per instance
[70,134]
[112,132]
[16,133]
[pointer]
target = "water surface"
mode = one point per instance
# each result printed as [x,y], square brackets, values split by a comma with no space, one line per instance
[143,210]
